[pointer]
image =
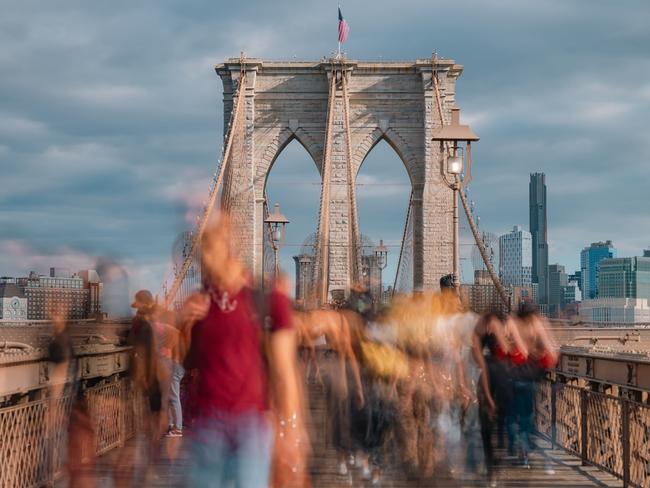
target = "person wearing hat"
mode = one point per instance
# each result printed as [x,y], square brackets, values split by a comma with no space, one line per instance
[144,373]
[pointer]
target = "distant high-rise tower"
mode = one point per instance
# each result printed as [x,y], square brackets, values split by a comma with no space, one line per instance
[538,225]
[557,284]
[590,259]
[515,257]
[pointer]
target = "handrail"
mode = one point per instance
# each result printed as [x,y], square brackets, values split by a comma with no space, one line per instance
[607,431]
[15,345]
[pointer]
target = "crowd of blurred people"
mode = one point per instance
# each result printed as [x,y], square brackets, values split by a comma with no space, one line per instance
[420,385]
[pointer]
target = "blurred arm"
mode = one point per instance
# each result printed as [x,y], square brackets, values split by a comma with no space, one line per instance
[477,353]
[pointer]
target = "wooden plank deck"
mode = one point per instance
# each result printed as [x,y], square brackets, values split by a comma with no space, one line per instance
[548,467]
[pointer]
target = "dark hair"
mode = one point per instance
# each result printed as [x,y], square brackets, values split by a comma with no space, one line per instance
[447,282]
[527,309]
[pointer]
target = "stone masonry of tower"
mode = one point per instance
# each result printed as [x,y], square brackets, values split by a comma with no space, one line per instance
[394,101]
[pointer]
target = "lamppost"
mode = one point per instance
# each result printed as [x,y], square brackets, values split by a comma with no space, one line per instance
[381,254]
[278,223]
[452,155]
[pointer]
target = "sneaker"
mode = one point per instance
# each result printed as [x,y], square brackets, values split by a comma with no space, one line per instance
[174,433]
[365,473]
[343,468]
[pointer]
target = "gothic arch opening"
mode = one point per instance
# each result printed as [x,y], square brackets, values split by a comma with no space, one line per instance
[293,181]
[383,190]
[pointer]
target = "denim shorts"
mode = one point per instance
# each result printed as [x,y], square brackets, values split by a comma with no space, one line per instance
[231,450]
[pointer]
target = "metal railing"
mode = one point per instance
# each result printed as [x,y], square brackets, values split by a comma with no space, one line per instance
[610,432]
[35,455]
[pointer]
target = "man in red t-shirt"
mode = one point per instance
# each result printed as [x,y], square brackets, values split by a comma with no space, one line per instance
[234,436]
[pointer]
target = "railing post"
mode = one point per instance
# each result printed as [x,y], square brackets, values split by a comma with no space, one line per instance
[625,440]
[121,395]
[583,426]
[553,414]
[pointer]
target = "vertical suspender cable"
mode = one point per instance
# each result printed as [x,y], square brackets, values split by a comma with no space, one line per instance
[409,210]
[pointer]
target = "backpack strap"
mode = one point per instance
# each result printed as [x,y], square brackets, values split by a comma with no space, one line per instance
[262,309]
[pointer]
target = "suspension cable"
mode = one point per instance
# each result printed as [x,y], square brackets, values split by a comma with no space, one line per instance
[322,250]
[353,257]
[479,242]
[214,191]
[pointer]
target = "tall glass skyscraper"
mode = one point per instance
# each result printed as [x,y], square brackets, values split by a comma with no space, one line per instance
[590,258]
[538,226]
[515,258]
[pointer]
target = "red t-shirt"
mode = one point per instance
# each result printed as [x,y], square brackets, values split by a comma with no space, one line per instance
[226,349]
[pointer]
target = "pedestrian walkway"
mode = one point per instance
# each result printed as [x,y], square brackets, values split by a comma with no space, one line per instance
[548,467]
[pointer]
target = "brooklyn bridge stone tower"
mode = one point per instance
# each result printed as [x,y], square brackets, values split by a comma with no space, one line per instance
[338,110]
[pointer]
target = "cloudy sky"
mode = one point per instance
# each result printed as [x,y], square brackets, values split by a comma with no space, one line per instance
[110,118]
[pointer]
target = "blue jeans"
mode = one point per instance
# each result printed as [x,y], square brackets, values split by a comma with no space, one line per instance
[521,417]
[175,409]
[231,450]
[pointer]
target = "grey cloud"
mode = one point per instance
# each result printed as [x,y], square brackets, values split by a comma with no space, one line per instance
[111,110]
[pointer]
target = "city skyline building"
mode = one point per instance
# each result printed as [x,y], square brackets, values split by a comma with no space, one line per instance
[590,258]
[623,291]
[625,277]
[557,283]
[13,303]
[615,310]
[538,230]
[36,297]
[46,294]
[577,278]
[515,257]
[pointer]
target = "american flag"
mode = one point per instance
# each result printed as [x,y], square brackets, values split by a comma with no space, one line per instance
[344,28]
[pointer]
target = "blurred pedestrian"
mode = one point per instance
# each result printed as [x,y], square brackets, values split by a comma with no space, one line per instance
[145,374]
[243,346]
[540,355]
[66,389]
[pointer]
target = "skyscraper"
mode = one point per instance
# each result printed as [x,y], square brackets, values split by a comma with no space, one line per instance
[557,283]
[537,206]
[515,257]
[590,258]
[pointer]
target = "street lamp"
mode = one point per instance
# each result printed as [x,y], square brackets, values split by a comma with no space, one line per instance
[453,157]
[381,254]
[278,223]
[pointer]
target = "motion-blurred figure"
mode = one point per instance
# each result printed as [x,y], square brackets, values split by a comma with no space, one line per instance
[243,346]
[490,348]
[340,375]
[178,352]
[80,463]
[146,379]
[170,371]
[539,354]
